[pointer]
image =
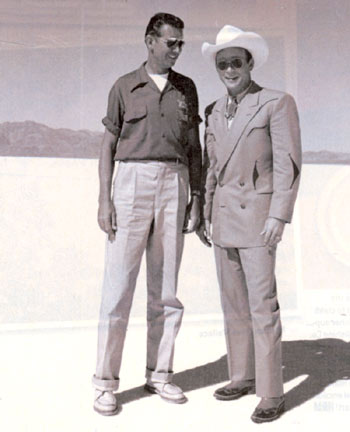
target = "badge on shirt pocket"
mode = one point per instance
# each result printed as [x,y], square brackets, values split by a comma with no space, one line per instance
[182,110]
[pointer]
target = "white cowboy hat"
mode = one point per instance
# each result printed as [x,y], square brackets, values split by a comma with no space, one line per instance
[230,36]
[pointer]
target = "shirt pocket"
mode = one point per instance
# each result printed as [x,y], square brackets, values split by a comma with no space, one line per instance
[135,114]
[135,123]
[181,126]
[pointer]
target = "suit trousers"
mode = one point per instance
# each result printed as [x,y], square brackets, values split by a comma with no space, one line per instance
[251,316]
[150,199]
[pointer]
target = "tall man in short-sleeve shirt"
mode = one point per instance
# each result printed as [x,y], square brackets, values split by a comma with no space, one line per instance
[152,131]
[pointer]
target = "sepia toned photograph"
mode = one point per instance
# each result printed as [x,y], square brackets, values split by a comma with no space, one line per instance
[174,207]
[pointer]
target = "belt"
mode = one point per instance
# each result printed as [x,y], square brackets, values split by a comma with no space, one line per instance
[171,160]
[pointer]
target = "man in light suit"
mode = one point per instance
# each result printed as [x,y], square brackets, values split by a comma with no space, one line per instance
[253,161]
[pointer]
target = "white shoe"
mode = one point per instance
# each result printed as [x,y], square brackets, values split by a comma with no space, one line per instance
[105,403]
[167,391]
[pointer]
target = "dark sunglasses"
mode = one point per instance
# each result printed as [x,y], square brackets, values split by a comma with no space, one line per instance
[236,63]
[173,42]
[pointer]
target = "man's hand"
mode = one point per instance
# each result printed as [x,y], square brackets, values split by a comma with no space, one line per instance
[192,216]
[273,231]
[107,218]
[204,233]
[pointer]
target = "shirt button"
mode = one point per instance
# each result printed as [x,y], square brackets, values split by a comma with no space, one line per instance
[243,206]
[162,115]
[163,135]
[241,184]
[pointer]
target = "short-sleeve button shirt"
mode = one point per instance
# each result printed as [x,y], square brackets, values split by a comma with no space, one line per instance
[152,125]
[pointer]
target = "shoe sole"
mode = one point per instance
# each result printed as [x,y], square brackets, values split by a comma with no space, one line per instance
[153,390]
[107,413]
[233,397]
[259,420]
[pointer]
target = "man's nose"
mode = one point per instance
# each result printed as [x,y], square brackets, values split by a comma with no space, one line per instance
[177,49]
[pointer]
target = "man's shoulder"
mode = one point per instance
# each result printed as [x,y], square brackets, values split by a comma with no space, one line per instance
[267,93]
[209,109]
[127,79]
[182,79]
[217,103]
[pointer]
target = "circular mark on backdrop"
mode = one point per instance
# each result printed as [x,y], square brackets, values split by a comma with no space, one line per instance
[333,215]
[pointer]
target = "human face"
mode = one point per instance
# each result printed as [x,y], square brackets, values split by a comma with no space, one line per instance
[236,79]
[161,57]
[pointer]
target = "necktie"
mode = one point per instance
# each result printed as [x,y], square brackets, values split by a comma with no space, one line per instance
[231,108]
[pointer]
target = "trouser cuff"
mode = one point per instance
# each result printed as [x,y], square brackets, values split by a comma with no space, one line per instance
[105,385]
[159,376]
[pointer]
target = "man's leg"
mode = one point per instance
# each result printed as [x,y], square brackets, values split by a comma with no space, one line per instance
[238,325]
[164,252]
[259,267]
[133,199]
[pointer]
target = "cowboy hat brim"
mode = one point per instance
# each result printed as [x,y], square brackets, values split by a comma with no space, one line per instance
[250,41]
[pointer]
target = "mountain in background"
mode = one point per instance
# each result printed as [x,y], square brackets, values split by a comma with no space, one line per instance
[326,157]
[37,140]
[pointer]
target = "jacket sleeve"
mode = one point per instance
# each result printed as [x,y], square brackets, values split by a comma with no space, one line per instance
[286,149]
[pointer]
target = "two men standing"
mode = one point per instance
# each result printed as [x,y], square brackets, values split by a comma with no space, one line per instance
[250,182]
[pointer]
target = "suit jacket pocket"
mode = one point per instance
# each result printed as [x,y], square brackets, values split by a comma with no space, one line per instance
[262,177]
[259,129]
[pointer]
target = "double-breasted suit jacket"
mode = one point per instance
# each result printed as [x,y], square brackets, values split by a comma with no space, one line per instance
[251,168]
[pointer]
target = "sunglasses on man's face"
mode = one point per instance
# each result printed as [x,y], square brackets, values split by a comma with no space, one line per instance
[173,42]
[236,63]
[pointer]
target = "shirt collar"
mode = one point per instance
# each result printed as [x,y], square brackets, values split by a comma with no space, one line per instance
[142,78]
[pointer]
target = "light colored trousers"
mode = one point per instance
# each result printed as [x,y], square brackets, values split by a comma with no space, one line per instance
[251,316]
[150,199]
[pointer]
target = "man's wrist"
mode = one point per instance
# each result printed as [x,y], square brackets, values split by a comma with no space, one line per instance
[280,220]
[195,193]
[104,199]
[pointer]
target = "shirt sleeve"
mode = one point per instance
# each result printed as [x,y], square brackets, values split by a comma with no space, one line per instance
[115,111]
[193,116]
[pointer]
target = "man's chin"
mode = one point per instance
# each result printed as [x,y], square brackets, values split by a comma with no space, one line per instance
[234,88]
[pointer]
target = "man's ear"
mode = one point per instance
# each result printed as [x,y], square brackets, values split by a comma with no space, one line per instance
[149,41]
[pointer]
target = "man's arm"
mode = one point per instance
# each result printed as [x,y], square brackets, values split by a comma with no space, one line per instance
[194,155]
[192,218]
[286,148]
[107,218]
[209,182]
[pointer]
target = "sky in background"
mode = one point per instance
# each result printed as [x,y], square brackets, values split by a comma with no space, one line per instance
[59,58]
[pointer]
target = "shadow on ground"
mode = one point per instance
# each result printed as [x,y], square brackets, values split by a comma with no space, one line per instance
[324,361]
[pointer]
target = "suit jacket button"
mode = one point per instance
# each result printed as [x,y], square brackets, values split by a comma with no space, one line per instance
[241,184]
[243,206]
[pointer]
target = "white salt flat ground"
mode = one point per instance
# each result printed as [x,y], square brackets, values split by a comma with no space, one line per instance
[51,261]
[45,382]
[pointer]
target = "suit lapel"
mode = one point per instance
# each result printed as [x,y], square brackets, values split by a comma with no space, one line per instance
[248,108]
[245,112]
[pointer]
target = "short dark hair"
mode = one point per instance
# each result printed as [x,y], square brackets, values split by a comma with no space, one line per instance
[159,19]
